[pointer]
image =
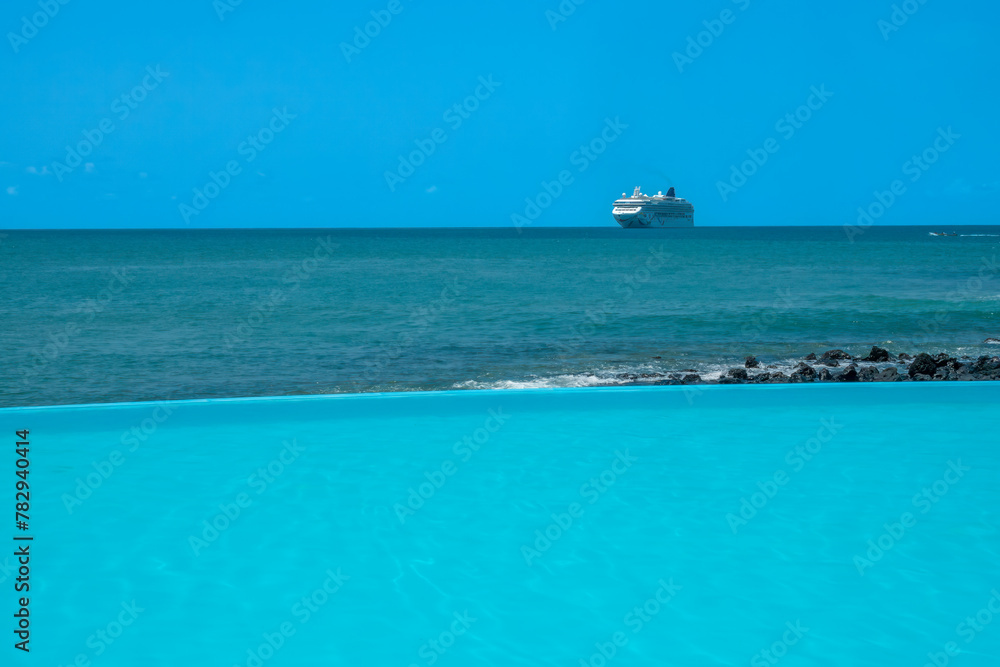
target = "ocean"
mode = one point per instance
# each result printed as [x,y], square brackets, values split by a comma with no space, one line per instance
[112,316]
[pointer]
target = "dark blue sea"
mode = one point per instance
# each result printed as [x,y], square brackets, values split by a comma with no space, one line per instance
[108,316]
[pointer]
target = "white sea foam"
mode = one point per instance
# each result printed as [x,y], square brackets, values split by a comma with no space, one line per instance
[610,377]
[553,382]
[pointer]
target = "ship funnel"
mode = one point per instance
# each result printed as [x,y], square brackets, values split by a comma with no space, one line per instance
[636,193]
[670,192]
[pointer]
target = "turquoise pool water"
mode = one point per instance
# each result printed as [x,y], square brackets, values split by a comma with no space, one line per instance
[624,526]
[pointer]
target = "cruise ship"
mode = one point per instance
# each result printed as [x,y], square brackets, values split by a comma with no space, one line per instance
[660,210]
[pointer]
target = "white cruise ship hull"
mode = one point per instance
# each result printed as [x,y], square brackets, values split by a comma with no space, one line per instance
[642,219]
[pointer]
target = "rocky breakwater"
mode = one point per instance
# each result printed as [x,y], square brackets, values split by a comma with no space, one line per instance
[879,365]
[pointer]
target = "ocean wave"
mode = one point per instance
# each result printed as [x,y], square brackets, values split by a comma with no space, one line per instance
[553,382]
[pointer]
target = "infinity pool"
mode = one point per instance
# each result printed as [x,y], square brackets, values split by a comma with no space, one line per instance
[726,525]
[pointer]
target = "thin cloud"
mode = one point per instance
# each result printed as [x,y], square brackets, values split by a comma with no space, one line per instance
[12,190]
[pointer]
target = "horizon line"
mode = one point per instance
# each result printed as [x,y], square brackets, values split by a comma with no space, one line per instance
[506,227]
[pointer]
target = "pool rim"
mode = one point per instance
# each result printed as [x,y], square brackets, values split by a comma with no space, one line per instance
[485,393]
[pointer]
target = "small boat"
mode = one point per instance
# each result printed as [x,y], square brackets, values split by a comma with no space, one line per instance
[943,233]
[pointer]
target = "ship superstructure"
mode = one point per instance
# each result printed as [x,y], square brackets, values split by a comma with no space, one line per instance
[659,210]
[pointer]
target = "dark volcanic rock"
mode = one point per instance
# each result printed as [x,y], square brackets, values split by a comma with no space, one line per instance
[945,373]
[985,365]
[810,357]
[804,369]
[903,356]
[923,364]
[942,359]
[923,368]
[849,374]
[877,355]
[992,341]
[888,375]
[803,373]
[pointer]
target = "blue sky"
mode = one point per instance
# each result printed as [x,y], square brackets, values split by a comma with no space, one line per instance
[265,108]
